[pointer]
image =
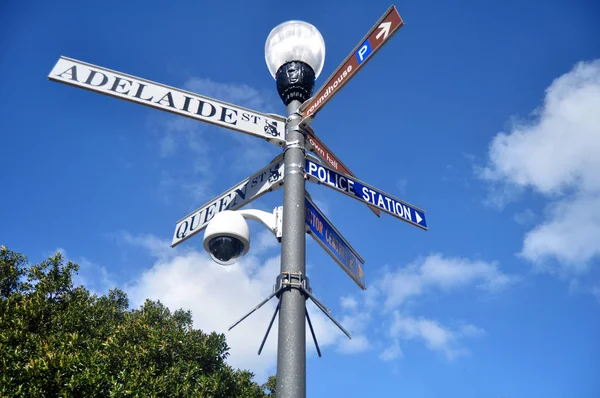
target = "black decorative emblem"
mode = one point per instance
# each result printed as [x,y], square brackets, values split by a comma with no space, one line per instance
[271,128]
[275,175]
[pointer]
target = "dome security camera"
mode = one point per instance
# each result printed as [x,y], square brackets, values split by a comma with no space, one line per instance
[227,237]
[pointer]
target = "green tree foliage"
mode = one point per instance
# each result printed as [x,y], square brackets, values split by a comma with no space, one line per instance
[58,340]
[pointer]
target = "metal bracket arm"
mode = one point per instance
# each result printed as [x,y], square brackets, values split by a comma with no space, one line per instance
[292,280]
[302,283]
[270,220]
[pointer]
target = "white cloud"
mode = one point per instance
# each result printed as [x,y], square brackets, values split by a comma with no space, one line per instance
[167,145]
[156,247]
[252,153]
[264,241]
[383,315]
[557,155]
[323,206]
[436,336]
[348,303]
[471,330]
[234,93]
[186,160]
[391,352]
[356,322]
[401,185]
[570,234]
[436,272]
[189,157]
[178,188]
[218,296]
[326,331]
[559,150]
[596,292]
[180,134]
[92,276]
[358,343]
[525,217]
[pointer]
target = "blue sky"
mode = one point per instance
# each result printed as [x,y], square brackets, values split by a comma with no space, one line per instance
[484,114]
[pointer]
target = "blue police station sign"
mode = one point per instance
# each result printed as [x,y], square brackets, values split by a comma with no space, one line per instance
[332,241]
[365,193]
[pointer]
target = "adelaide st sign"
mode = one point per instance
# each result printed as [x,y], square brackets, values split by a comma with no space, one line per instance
[181,102]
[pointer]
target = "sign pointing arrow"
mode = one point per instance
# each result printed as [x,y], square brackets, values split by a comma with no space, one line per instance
[385,30]
[387,25]
[365,193]
[419,219]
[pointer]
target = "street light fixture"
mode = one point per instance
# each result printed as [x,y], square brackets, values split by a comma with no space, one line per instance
[295,54]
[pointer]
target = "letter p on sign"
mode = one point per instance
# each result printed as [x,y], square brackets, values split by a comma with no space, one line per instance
[363,52]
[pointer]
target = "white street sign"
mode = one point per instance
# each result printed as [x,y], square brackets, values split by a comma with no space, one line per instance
[185,103]
[265,180]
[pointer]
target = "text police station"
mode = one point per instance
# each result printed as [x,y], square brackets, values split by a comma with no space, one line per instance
[360,191]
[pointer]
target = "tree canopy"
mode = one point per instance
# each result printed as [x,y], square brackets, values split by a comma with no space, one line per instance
[60,340]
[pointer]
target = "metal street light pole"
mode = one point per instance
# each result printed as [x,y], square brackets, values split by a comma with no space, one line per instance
[295,53]
[291,348]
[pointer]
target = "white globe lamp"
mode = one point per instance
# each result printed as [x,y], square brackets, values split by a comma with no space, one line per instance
[295,54]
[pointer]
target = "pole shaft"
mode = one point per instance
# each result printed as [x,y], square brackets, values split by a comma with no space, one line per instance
[291,346]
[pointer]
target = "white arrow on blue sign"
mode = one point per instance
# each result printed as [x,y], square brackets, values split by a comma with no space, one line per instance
[328,237]
[365,193]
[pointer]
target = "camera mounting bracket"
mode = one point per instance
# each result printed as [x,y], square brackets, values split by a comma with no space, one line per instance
[273,221]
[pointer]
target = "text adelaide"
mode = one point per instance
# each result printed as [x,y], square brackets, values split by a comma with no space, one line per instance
[167,98]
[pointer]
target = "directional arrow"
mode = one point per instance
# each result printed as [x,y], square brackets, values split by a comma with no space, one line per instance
[368,194]
[385,30]
[386,26]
